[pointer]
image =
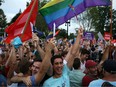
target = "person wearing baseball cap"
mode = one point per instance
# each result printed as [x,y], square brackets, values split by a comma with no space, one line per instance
[91,69]
[110,66]
[109,72]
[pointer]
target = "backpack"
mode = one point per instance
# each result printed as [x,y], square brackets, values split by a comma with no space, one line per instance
[107,84]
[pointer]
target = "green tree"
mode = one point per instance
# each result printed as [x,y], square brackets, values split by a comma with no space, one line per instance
[15,17]
[3,22]
[62,34]
[1,1]
[71,36]
[114,22]
[101,19]
[40,22]
[98,18]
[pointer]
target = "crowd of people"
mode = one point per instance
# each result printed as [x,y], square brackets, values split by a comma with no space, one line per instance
[51,63]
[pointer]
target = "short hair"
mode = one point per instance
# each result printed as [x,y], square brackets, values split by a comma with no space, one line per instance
[76,63]
[55,57]
[24,65]
[109,66]
[84,51]
[64,53]
[2,55]
[37,60]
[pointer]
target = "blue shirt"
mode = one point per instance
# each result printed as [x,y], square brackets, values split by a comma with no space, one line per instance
[3,80]
[99,82]
[62,81]
[21,84]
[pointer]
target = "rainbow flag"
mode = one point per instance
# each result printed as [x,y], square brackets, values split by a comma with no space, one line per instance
[50,35]
[59,11]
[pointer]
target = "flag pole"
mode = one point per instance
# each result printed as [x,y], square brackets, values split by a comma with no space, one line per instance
[110,29]
[77,19]
[28,18]
[54,28]
[111,20]
[74,13]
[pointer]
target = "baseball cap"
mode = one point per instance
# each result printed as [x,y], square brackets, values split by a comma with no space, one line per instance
[90,63]
[110,66]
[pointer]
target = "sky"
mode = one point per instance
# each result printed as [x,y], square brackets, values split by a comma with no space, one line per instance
[12,7]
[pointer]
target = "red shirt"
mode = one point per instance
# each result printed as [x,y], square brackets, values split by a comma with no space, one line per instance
[86,80]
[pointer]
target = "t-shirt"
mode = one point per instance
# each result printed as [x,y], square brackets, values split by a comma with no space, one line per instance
[76,78]
[64,62]
[43,80]
[62,81]
[86,80]
[21,84]
[99,82]
[83,66]
[2,80]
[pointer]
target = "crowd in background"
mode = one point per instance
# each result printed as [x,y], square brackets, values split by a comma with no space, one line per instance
[58,63]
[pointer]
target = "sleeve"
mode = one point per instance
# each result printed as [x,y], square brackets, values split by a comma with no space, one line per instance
[65,69]
[91,85]
[33,80]
[96,83]
[46,84]
[86,80]
[64,61]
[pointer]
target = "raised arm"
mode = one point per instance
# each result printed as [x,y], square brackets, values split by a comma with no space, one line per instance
[45,63]
[104,57]
[74,48]
[37,46]
[13,64]
[41,51]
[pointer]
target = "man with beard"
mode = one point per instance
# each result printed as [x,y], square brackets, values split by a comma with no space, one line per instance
[109,73]
[91,75]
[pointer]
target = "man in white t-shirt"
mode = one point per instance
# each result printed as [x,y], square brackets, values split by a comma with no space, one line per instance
[84,54]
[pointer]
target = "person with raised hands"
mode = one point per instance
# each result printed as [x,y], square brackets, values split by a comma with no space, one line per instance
[60,76]
[35,41]
[34,80]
